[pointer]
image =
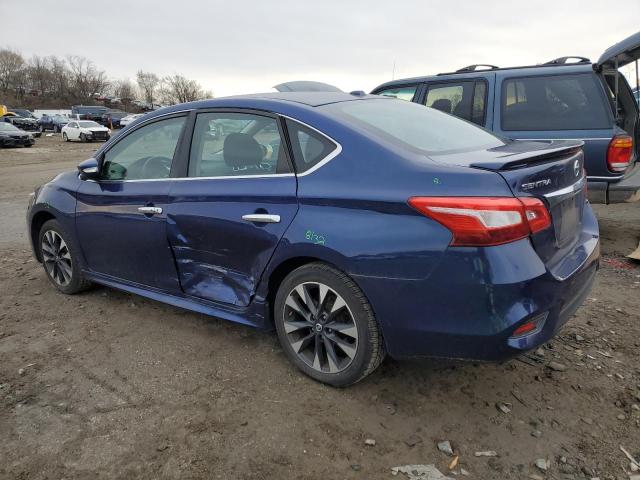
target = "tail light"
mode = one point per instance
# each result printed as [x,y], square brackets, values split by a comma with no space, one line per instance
[484,221]
[619,153]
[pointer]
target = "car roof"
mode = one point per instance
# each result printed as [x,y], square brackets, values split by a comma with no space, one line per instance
[269,100]
[542,69]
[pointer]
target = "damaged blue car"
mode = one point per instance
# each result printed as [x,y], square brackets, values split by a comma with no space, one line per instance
[355,225]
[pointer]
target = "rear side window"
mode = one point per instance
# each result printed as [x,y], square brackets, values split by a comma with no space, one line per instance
[403,93]
[227,144]
[464,99]
[309,146]
[558,102]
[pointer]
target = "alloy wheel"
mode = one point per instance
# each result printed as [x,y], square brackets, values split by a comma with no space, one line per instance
[320,327]
[56,258]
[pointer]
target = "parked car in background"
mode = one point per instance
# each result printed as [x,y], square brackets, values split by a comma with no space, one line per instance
[479,248]
[28,124]
[83,112]
[85,131]
[112,118]
[52,122]
[581,100]
[23,113]
[12,136]
[124,121]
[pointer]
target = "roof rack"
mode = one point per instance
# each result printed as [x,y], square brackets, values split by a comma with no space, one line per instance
[563,60]
[474,67]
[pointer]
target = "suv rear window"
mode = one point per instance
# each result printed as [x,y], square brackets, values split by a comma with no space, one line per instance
[557,102]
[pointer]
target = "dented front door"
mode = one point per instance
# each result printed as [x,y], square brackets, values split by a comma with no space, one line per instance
[223,232]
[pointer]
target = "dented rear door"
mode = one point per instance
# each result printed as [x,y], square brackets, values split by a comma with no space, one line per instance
[227,215]
[219,255]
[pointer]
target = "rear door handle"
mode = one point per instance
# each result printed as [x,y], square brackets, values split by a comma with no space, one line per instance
[261,218]
[150,210]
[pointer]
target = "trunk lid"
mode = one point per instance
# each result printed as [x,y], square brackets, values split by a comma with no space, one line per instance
[622,53]
[551,171]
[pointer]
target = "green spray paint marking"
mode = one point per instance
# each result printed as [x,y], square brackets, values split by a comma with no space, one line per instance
[314,237]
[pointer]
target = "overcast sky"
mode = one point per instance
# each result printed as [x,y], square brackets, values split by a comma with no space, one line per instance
[247,46]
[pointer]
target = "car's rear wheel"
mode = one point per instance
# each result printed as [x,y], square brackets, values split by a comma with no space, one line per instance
[60,259]
[65,138]
[326,326]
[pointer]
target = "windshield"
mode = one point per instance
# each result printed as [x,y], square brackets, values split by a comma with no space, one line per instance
[414,126]
[7,127]
[88,124]
[60,118]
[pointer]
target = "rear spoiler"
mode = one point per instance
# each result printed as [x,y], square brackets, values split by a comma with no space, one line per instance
[523,153]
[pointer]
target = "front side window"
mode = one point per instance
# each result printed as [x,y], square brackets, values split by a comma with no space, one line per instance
[403,93]
[557,102]
[309,147]
[465,99]
[236,144]
[413,127]
[146,153]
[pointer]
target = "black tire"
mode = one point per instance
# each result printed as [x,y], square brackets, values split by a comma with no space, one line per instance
[368,346]
[65,138]
[28,145]
[76,281]
[83,138]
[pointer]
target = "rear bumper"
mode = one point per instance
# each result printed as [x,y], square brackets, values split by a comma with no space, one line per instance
[471,304]
[623,191]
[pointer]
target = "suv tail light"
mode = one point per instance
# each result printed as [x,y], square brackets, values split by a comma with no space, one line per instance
[619,153]
[484,221]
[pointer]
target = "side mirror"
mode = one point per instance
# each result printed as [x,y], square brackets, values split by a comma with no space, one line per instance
[88,169]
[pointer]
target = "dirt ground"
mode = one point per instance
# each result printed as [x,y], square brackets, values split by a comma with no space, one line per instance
[109,385]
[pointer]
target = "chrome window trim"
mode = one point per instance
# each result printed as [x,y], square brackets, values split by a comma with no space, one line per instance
[617,177]
[560,139]
[334,153]
[182,179]
[567,190]
[330,156]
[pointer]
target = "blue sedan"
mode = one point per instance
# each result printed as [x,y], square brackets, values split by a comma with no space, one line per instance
[354,225]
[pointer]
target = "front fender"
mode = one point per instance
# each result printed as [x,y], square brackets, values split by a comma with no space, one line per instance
[56,199]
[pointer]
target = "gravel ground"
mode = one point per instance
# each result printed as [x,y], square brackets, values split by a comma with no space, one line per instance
[110,385]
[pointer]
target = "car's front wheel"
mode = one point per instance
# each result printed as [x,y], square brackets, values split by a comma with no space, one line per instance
[60,259]
[326,325]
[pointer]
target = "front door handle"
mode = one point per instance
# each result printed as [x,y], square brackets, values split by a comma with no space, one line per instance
[261,218]
[150,210]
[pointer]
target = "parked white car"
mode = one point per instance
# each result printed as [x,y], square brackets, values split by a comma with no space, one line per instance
[124,121]
[85,131]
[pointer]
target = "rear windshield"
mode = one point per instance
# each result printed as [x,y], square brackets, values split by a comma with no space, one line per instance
[558,102]
[414,126]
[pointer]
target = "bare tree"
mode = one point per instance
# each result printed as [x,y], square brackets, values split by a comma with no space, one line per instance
[148,83]
[60,77]
[85,79]
[11,70]
[125,91]
[39,74]
[179,89]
